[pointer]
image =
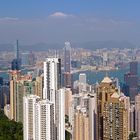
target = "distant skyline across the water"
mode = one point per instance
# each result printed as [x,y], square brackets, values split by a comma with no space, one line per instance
[34,21]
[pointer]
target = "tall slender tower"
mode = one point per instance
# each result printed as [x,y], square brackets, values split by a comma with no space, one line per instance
[67,57]
[29,116]
[16,62]
[52,82]
[82,82]
[17,51]
[67,65]
[60,119]
[52,78]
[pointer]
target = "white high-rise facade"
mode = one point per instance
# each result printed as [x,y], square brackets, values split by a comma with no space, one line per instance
[29,116]
[82,82]
[44,124]
[52,78]
[52,83]
[60,119]
[38,119]
[92,117]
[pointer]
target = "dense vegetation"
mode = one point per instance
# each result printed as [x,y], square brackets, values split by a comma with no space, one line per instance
[132,135]
[67,135]
[10,130]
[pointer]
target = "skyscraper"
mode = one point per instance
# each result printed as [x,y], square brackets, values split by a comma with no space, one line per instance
[17,50]
[44,124]
[52,78]
[25,59]
[16,62]
[67,80]
[67,57]
[112,113]
[67,76]
[82,82]
[131,81]
[60,115]
[81,124]
[134,67]
[92,117]
[29,116]
[38,119]
[52,83]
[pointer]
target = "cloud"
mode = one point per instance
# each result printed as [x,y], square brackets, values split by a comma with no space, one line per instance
[9,19]
[60,15]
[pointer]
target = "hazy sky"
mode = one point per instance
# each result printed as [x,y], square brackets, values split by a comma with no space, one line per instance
[33,21]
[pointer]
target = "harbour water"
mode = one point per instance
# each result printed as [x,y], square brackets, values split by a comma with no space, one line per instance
[93,76]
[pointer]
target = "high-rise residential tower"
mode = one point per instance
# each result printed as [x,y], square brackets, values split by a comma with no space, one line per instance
[112,113]
[29,116]
[52,83]
[60,115]
[81,124]
[52,78]
[44,124]
[38,119]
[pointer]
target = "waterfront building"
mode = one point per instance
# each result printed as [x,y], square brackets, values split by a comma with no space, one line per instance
[134,67]
[31,58]
[25,59]
[131,80]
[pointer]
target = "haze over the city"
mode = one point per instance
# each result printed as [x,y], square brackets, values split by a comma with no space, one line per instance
[35,21]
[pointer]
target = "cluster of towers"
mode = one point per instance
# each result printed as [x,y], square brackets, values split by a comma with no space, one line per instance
[54,110]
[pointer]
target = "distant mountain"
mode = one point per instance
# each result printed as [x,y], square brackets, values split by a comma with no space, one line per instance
[87,45]
[105,44]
